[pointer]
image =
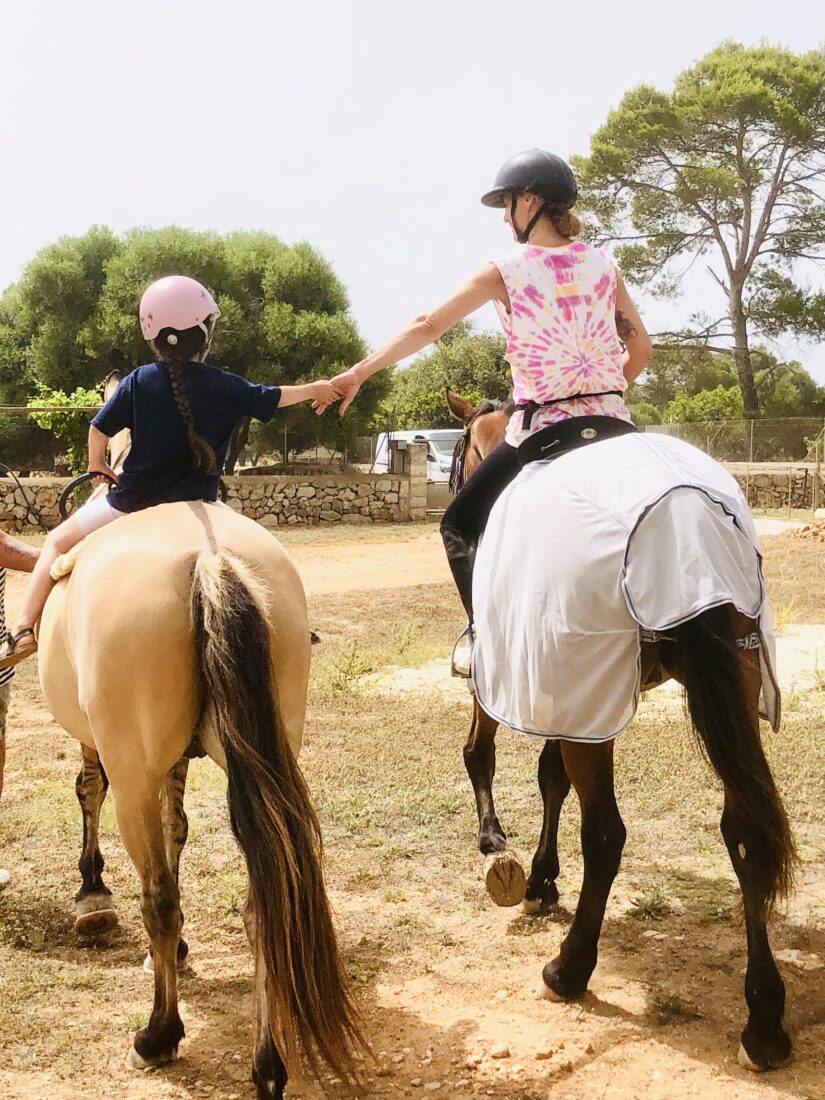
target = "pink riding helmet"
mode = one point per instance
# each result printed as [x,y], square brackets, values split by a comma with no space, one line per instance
[177,302]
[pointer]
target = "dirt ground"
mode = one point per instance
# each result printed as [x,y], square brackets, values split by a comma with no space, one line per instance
[446,980]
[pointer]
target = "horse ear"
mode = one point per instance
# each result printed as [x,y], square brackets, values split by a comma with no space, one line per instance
[111,384]
[462,410]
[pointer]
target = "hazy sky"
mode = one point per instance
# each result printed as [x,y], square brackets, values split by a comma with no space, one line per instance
[368,128]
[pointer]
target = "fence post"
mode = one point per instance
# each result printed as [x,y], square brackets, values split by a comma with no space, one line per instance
[750,460]
[815,490]
[790,488]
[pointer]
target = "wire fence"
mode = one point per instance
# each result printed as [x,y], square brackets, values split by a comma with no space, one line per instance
[778,462]
[792,439]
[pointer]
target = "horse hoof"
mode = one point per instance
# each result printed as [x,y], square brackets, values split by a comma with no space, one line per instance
[533,907]
[136,1061]
[96,916]
[505,879]
[149,963]
[746,1062]
[545,993]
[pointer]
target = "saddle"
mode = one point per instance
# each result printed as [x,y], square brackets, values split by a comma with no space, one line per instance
[577,431]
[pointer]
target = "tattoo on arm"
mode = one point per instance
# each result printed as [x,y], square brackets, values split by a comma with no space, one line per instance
[623,326]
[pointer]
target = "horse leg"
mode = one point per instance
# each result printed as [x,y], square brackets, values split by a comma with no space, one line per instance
[175,833]
[141,828]
[765,1043]
[590,768]
[480,761]
[554,784]
[94,912]
[268,1070]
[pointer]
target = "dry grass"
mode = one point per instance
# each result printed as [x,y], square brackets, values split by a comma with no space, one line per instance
[441,973]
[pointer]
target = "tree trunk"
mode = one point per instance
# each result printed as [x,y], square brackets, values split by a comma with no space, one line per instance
[741,353]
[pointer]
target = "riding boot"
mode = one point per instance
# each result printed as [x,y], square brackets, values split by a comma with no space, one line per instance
[460,555]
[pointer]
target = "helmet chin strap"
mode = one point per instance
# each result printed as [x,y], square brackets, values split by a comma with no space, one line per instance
[523,237]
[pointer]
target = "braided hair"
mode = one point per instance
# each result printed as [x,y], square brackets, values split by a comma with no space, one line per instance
[175,348]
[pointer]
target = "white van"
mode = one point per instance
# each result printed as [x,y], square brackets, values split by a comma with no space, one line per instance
[440,446]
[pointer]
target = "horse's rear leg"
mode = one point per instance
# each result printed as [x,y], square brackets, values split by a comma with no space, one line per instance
[141,828]
[554,784]
[268,1071]
[175,832]
[765,1043]
[94,912]
[590,768]
[480,761]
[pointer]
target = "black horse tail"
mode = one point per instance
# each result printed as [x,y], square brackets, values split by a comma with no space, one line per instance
[725,721]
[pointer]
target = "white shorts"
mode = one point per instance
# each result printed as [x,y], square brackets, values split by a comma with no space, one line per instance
[98,512]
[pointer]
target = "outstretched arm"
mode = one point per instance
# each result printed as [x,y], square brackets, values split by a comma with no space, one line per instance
[485,286]
[15,554]
[633,334]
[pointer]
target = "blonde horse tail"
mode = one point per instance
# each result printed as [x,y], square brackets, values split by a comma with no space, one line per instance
[311,1009]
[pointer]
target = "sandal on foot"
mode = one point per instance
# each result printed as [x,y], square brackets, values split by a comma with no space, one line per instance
[18,647]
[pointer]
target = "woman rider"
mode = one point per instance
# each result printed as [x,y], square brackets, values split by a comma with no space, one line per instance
[562,305]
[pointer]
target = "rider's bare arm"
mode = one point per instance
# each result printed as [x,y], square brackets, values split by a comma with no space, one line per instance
[311,391]
[97,454]
[633,334]
[15,554]
[485,286]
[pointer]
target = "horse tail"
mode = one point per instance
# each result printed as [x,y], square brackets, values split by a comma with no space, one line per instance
[311,1008]
[728,731]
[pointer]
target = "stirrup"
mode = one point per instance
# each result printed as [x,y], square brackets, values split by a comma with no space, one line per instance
[462,658]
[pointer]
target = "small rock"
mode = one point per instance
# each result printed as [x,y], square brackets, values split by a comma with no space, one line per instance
[398,1059]
[544,1054]
[474,1061]
[805,960]
[501,1050]
[589,1049]
[432,1086]
[5,879]
[416,1082]
[384,1071]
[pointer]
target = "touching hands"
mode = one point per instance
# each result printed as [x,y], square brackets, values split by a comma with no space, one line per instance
[345,386]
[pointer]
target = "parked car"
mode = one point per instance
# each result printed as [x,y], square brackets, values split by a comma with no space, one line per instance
[440,446]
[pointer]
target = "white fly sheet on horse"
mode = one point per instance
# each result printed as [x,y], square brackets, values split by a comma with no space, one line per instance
[639,531]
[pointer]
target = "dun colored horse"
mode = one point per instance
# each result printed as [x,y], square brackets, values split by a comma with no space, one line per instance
[723,684]
[182,630]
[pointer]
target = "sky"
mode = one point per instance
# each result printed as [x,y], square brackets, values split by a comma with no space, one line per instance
[368,128]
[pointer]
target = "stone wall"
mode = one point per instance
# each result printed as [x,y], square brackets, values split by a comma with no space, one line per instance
[772,485]
[276,499]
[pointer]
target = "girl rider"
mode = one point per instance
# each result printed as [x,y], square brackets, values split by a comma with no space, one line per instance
[560,302]
[181,413]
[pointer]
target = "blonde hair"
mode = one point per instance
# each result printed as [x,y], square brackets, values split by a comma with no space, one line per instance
[566,222]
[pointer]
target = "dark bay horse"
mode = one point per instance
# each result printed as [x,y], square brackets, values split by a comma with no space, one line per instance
[722,683]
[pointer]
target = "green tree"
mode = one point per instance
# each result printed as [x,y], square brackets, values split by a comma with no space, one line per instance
[471,363]
[688,370]
[71,428]
[718,404]
[72,318]
[727,167]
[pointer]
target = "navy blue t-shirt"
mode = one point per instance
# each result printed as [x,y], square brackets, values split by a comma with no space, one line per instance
[160,468]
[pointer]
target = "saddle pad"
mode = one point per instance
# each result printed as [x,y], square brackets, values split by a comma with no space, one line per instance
[641,531]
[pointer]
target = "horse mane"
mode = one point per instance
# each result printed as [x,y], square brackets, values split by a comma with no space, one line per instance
[487,405]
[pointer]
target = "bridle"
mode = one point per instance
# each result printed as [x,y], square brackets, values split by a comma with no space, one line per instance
[467,445]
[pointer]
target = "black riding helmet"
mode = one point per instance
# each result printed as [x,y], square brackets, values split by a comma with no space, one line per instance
[539,172]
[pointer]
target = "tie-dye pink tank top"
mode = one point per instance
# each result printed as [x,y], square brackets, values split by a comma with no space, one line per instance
[561,333]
